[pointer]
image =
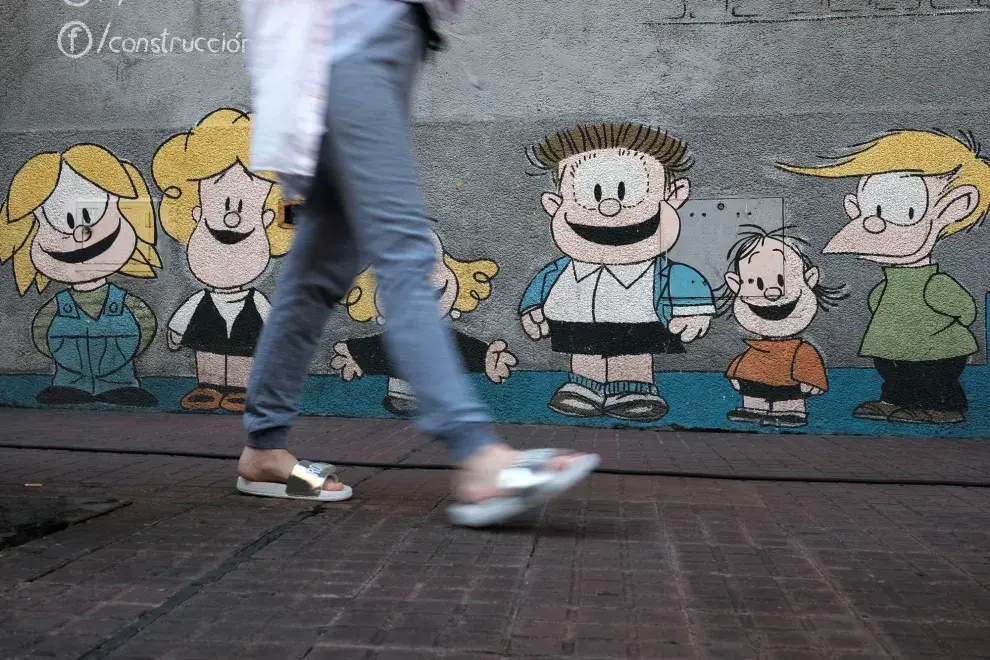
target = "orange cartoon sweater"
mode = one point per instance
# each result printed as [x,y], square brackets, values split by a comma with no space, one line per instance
[780,363]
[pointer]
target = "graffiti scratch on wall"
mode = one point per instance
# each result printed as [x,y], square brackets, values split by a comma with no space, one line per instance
[717,12]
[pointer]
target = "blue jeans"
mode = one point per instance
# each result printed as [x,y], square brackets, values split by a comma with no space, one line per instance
[365,206]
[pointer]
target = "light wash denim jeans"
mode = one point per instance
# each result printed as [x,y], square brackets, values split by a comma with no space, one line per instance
[365,206]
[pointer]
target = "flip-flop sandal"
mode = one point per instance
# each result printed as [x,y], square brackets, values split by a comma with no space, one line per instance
[533,482]
[305,483]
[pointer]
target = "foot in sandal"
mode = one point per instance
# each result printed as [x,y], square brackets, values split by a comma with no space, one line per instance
[499,483]
[277,473]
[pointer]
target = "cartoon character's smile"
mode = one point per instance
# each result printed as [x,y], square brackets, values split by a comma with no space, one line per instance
[87,253]
[774,312]
[621,235]
[228,237]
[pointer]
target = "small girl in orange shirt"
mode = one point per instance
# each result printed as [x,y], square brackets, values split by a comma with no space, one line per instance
[775,292]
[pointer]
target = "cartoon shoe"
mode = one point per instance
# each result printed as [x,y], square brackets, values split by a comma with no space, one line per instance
[399,404]
[923,416]
[576,400]
[134,397]
[202,398]
[234,400]
[788,420]
[645,406]
[746,415]
[56,395]
[880,410]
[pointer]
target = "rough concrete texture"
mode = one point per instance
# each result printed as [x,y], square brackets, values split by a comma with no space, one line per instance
[622,567]
[746,84]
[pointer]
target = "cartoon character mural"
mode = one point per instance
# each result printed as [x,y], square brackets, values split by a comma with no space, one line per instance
[615,299]
[774,291]
[915,190]
[78,218]
[461,285]
[225,215]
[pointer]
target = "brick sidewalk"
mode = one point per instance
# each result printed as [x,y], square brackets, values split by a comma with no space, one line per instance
[341,439]
[624,567]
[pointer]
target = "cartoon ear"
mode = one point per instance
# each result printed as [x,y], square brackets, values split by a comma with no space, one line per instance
[733,281]
[268,216]
[197,213]
[852,206]
[551,203]
[957,204]
[680,190]
[811,276]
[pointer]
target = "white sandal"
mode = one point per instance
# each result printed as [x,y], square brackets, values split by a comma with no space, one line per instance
[304,483]
[533,482]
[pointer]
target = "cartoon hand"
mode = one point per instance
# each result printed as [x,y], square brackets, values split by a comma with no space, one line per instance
[535,324]
[344,364]
[499,361]
[690,327]
[174,340]
[735,384]
[810,389]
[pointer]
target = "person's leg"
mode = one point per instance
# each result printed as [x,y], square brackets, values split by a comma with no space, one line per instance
[316,273]
[371,159]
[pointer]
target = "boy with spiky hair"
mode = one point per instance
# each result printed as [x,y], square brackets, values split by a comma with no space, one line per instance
[916,188]
[615,299]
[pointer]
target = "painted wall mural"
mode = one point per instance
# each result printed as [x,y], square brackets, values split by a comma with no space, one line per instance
[914,189]
[224,214]
[622,270]
[615,299]
[461,287]
[77,218]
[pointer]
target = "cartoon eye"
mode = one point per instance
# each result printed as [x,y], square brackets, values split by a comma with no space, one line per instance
[899,199]
[622,190]
[780,280]
[751,280]
[759,283]
[70,220]
[86,217]
[598,192]
[240,205]
[227,205]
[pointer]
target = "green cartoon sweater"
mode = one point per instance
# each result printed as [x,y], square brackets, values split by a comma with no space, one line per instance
[919,314]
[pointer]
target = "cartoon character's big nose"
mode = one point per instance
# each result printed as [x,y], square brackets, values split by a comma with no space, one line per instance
[232,219]
[82,233]
[609,207]
[772,293]
[874,224]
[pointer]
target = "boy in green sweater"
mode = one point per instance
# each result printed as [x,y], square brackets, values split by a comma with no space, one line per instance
[916,188]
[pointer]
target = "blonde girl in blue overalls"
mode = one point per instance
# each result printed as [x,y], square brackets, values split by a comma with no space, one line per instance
[80,217]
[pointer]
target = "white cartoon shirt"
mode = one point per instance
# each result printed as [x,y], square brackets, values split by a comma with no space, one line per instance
[595,293]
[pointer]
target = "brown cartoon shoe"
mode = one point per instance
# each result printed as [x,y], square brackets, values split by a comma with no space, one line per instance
[880,410]
[234,400]
[923,416]
[202,398]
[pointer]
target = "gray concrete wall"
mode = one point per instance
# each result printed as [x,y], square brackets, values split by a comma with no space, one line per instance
[745,83]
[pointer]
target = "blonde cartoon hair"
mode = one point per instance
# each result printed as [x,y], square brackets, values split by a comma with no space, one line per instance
[35,182]
[474,284]
[926,153]
[218,142]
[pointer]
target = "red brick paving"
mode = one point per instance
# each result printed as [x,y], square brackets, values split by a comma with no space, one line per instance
[385,441]
[624,567]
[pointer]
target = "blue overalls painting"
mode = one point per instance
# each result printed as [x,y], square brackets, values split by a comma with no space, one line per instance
[95,356]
